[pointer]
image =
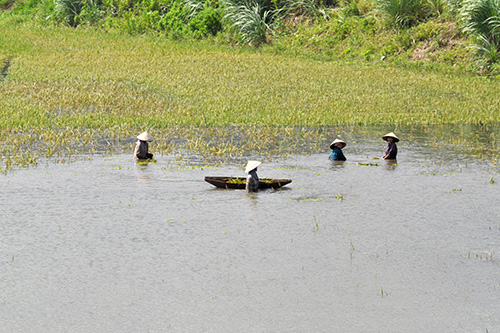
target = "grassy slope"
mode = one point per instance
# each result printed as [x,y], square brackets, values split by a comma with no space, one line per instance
[434,44]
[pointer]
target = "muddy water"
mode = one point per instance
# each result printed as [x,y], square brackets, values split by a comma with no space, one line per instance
[365,246]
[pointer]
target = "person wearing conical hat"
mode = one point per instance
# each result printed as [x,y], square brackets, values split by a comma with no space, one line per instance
[336,147]
[392,150]
[252,178]
[142,147]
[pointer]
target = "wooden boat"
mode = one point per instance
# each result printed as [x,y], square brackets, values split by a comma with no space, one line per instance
[240,182]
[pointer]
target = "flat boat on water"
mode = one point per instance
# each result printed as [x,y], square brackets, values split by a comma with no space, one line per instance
[240,182]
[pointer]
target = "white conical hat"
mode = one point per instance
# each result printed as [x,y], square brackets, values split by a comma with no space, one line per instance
[337,141]
[390,135]
[145,137]
[252,165]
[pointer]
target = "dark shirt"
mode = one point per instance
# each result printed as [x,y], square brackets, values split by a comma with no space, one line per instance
[392,151]
[252,181]
[141,150]
[337,155]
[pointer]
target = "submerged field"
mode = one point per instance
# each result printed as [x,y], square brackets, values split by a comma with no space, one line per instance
[110,246]
[67,92]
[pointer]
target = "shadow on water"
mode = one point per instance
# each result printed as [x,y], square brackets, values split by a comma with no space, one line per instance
[145,169]
[253,199]
[337,164]
[142,171]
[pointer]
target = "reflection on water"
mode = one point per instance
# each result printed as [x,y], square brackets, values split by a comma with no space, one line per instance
[367,245]
[143,173]
[391,164]
[337,164]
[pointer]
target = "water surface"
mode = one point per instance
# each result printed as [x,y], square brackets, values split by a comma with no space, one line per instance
[105,245]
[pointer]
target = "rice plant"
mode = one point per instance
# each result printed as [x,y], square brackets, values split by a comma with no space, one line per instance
[62,99]
[5,68]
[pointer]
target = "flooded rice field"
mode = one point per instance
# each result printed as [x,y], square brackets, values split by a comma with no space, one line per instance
[106,245]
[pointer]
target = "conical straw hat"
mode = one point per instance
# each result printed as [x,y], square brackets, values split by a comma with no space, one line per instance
[332,145]
[252,165]
[390,135]
[145,137]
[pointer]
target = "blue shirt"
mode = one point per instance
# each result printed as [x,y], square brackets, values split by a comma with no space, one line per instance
[337,155]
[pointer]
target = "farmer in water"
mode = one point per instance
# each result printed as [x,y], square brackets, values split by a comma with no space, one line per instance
[392,150]
[252,178]
[141,147]
[336,147]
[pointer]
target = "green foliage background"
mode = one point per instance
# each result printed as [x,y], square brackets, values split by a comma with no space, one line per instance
[447,34]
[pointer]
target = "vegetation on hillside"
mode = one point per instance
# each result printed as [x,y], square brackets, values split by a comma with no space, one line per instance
[461,34]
